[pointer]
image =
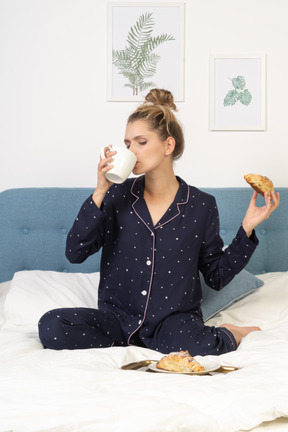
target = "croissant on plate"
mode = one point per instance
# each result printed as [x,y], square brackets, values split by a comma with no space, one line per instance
[180,361]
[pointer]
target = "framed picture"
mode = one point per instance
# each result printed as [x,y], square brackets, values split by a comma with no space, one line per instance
[145,49]
[238,92]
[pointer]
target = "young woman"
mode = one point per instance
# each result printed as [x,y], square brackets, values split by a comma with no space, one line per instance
[156,234]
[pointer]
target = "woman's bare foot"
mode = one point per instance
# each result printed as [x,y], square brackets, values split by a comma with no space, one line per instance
[239,332]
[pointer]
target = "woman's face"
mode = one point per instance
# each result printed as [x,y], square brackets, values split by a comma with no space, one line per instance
[145,143]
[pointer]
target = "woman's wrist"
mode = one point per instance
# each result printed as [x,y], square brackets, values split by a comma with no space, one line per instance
[247,229]
[98,196]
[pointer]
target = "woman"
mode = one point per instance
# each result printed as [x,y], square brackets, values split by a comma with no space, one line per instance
[157,233]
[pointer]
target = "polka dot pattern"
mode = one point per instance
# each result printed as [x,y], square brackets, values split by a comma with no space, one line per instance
[149,273]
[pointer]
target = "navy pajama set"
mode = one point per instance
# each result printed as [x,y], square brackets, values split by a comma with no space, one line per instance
[149,291]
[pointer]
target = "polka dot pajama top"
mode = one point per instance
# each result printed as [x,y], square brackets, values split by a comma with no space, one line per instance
[150,274]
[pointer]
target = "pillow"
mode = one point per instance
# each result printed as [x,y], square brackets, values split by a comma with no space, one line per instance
[4,288]
[35,292]
[241,286]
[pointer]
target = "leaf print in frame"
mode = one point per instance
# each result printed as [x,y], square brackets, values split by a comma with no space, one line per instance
[145,49]
[238,92]
[138,61]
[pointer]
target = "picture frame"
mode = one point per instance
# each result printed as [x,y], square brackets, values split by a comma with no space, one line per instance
[238,92]
[145,49]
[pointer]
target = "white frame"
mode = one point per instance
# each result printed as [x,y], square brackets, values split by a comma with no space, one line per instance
[176,67]
[238,117]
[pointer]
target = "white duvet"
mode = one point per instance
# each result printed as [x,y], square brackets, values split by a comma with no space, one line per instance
[86,391]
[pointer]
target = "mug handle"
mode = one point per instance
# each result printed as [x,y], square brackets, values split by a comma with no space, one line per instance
[105,150]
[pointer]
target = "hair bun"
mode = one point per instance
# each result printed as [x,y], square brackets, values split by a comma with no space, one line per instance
[161,97]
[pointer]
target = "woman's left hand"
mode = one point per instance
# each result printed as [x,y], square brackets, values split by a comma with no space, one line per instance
[255,215]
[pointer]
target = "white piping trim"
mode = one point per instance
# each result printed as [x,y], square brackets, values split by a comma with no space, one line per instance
[153,254]
[152,266]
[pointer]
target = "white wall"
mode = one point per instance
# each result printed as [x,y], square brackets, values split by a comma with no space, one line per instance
[54,114]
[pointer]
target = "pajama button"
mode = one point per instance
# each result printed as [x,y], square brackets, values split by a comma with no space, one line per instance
[148,262]
[139,322]
[144,292]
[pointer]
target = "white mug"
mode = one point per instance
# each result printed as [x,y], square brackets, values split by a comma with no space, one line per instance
[124,161]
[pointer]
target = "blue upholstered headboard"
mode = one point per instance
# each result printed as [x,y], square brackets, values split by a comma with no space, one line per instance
[34,223]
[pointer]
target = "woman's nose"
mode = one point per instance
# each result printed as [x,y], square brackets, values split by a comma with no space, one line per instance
[132,147]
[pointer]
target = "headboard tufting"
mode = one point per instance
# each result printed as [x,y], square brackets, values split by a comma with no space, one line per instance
[34,223]
[34,226]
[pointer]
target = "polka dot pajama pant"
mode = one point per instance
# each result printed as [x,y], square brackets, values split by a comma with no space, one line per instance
[186,331]
[81,328]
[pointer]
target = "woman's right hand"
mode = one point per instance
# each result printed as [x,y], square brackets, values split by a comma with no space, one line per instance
[102,183]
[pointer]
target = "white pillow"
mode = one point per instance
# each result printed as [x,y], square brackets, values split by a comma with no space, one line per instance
[4,288]
[35,292]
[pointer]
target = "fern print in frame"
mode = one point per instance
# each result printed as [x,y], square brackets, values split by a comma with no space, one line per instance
[238,94]
[145,49]
[138,61]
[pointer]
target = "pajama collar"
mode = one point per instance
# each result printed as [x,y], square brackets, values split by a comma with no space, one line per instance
[140,208]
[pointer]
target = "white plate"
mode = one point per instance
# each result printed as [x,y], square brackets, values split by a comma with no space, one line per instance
[209,365]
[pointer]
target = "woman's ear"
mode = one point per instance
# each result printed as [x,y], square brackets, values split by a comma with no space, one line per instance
[170,145]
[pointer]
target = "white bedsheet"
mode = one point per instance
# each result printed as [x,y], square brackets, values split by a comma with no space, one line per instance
[45,390]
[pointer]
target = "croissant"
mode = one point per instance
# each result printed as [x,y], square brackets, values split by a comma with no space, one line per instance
[179,362]
[259,183]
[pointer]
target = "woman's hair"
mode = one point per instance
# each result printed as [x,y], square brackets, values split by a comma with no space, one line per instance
[157,111]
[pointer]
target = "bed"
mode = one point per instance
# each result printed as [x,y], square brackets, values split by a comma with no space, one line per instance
[86,390]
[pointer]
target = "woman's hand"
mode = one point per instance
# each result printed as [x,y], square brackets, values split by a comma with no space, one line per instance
[255,215]
[102,183]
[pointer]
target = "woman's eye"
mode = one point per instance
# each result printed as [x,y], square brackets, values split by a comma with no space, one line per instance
[142,142]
